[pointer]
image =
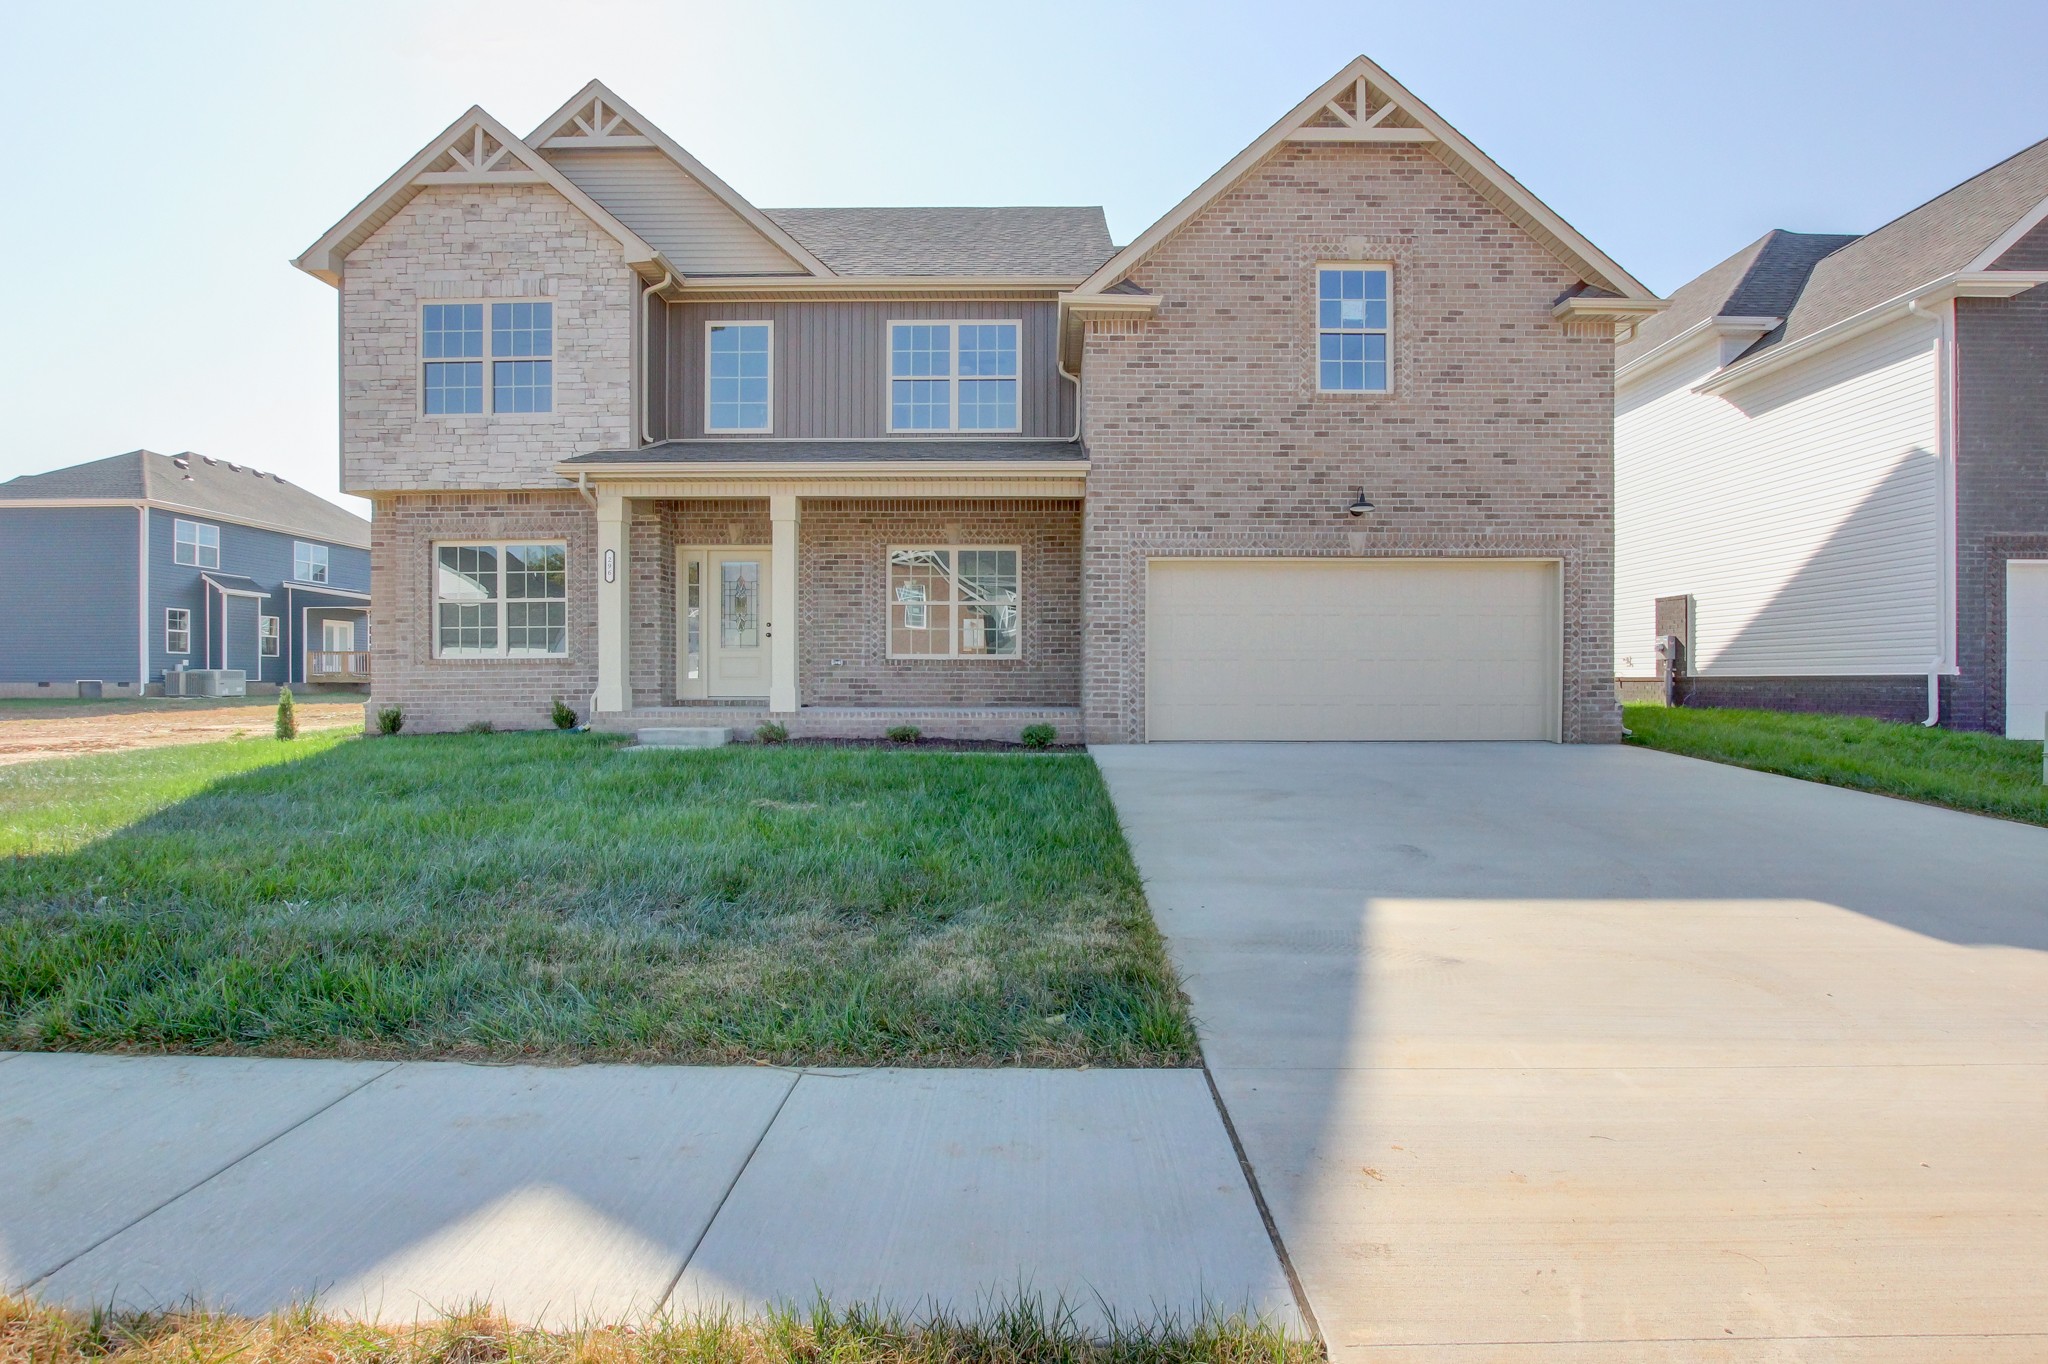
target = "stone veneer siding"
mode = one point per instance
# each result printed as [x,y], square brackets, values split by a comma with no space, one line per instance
[2001,475]
[1207,436]
[456,243]
[443,694]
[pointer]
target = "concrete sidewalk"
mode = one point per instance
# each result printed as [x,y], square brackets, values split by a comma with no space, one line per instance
[565,1195]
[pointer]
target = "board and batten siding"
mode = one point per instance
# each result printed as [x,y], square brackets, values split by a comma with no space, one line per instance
[1804,513]
[677,216]
[831,364]
[72,594]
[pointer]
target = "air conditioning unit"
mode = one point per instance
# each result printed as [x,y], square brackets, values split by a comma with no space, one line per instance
[206,682]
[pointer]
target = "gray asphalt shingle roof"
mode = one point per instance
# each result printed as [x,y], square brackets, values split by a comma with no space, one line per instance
[1054,243]
[235,493]
[1763,279]
[831,452]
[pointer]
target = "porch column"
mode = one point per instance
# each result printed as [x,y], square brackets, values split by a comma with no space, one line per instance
[782,522]
[614,516]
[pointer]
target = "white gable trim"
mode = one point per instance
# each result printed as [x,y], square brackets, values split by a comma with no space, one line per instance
[1429,129]
[2009,238]
[554,134]
[324,258]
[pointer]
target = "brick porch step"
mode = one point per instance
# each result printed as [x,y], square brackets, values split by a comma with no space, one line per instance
[684,736]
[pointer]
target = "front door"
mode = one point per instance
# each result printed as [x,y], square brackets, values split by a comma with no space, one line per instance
[338,636]
[735,636]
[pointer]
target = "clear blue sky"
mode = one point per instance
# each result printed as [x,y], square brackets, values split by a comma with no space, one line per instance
[165,161]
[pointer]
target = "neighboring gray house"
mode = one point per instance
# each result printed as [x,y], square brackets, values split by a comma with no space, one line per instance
[124,568]
[1831,468]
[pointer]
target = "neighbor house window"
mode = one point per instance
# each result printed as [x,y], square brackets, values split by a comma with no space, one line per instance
[269,636]
[521,355]
[309,562]
[177,630]
[501,600]
[960,601]
[953,376]
[1354,315]
[737,376]
[196,543]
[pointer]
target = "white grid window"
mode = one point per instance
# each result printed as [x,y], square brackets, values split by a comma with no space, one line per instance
[521,348]
[957,601]
[501,600]
[177,630]
[270,639]
[738,376]
[953,376]
[196,543]
[309,562]
[1354,317]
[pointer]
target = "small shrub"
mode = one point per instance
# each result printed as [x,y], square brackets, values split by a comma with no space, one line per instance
[565,716]
[1038,736]
[772,733]
[479,727]
[904,734]
[287,718]
[391,719]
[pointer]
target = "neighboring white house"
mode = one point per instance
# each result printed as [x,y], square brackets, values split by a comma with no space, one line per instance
[1831,454]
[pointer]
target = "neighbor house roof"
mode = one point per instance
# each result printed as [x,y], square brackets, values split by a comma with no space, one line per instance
[926,449]
[1760,281]
[1050,243]
[195,483]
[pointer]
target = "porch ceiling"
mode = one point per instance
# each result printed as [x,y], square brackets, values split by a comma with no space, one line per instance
[883,468]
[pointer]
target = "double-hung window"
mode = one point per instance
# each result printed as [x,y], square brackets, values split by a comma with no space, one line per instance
[269,635]
[957,601]
[177,630]
[953,376]
[521,343]
[738,375]
[309,562]
[501,600]
[1354,324]
[196,543]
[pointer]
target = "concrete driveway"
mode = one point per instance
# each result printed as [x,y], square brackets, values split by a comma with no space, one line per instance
[1598,1054]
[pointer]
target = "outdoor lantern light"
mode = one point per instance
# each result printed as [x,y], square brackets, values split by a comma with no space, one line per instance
[1361,506]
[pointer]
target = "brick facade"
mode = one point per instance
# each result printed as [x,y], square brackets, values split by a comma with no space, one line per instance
[462,243]
[1207,436]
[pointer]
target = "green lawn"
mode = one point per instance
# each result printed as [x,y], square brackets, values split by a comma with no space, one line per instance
[547,895]
[1981,773]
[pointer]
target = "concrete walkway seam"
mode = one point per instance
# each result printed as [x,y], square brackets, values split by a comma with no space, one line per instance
[738,1175]
[1251,1179]
[230,1164]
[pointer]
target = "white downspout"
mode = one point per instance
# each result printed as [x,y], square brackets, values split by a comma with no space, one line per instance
[142,608]
[1075,380]
[641,362]
[1945,540]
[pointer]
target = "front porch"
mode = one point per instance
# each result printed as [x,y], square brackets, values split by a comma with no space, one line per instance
[843,602]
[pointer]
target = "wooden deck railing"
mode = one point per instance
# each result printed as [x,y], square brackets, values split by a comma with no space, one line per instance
[337,665]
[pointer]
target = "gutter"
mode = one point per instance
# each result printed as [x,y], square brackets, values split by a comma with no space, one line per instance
[649,471]
[1723,327]
[640,436]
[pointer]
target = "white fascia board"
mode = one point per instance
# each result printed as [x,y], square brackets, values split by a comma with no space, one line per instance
[826,469]
[1710,328]
[2009,238]
[1915,303]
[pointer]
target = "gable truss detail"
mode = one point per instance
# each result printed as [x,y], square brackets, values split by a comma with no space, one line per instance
[597,124]
[476,157]
[1355,125]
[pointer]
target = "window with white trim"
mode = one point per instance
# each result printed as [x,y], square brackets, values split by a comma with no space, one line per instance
[738,375]
[501,599]
[1354,327]
[177,630]
[953,376]
[954,601]
[309,562]
[521,347]
[196,543]
[268,628]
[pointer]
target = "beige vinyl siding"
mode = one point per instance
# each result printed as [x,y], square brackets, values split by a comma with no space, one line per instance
[1803,513]
[832,364]
[677,216]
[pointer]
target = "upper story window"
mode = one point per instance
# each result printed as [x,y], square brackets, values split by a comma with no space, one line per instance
[501,600]
[1354,320]
[738,375]
[953,376]
[309,562]
[521,355]
[196,543]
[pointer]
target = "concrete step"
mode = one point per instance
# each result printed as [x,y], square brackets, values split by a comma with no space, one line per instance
[684,736]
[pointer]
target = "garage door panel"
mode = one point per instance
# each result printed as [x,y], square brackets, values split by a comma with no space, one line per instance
[2026,648]
[1352,649]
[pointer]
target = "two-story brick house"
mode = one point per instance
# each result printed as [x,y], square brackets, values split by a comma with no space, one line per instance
[1324,453]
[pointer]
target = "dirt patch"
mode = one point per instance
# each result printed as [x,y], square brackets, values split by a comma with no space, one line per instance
[53,731]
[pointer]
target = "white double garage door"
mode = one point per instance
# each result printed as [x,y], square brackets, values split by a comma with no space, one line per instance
[1353,649]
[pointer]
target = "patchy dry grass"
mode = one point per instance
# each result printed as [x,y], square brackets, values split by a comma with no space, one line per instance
[545,896]
[1022,1333]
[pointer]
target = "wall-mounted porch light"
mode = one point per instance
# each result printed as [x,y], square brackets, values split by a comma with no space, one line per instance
[1361,506]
